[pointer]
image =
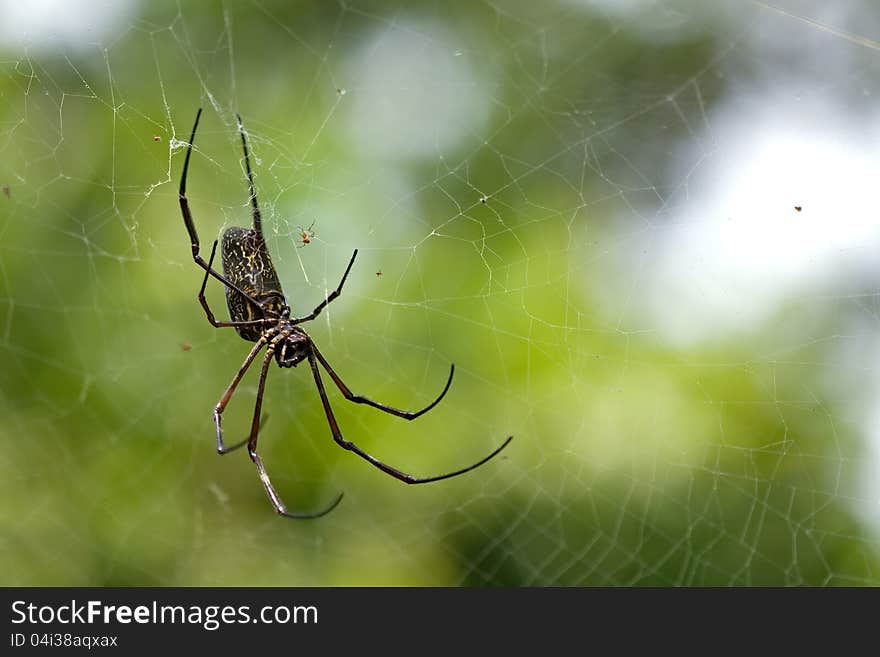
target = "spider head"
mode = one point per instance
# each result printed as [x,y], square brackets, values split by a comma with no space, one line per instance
[293,350]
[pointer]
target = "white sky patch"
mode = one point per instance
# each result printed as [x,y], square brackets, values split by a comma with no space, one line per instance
[414,93]
[47,25]
[739,247]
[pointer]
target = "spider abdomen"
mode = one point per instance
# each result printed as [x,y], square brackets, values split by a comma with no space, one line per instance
[247,264]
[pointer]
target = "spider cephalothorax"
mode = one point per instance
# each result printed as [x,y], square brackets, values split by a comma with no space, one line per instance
[259,312]
[293,347]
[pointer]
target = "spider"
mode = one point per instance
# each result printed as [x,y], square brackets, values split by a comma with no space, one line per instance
[305,235]
[259,313]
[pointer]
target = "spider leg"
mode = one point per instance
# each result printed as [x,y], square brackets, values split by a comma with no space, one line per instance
[330,297]
[224,400]
[251,440]
[255,457]
[384,467]
[204,301]
[258,225]
[191,226]
[359,399]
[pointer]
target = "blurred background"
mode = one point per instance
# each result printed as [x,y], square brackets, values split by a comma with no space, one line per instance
[646,233]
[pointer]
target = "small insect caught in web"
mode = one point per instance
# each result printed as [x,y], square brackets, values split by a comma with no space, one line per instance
[306,235]
[157,138]
[798,208]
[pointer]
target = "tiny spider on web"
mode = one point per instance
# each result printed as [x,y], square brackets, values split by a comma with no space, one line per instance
[305,235]
[259,313]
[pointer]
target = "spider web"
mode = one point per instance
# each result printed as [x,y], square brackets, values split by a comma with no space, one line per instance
[644,232]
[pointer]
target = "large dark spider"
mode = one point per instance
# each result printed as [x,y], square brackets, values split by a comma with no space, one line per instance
[259,313]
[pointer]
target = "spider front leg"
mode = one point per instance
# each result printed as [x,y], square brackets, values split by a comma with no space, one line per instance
[191,226]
